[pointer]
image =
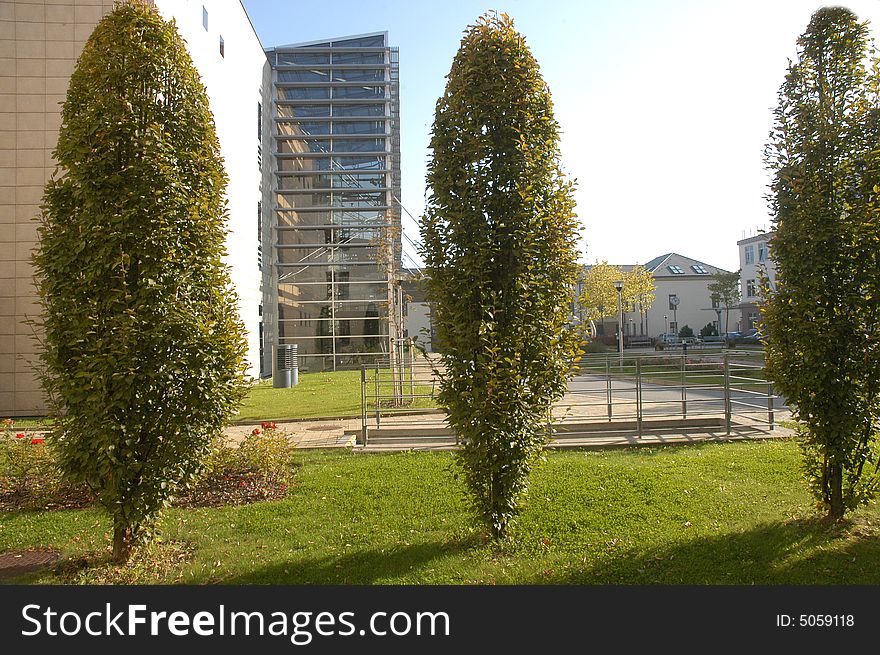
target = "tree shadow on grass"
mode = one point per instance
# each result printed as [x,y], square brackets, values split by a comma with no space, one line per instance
[362,566]
[795,552]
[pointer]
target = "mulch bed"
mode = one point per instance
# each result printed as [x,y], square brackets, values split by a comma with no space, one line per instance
[232,488]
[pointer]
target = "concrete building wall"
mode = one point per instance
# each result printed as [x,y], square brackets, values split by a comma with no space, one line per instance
[418,324]
[40,41]
[694,308]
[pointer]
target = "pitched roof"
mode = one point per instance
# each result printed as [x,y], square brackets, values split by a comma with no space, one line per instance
[659,266]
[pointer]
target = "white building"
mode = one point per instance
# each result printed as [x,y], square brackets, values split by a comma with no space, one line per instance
[754,260]
[681,298]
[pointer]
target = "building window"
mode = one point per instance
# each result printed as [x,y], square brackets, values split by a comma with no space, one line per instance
[762,252]
[753,320]
[699,269]
[676,270]
[751,289]
[260,122]
[749,254]
[205,18]
[222,47]
[716,302]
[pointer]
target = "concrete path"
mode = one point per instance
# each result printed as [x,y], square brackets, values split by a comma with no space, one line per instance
[318,433]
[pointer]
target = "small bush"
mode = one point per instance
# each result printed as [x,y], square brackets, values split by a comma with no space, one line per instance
[27,464]
[708,330]
[262,467]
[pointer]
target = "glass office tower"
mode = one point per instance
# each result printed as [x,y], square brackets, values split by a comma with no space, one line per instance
[335,224]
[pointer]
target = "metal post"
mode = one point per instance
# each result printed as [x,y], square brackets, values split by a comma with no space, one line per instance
[619,286]
[770,403]
[412,371]
[684,406]
[608,384]
[727,391]
[378,399]
[639,397]
[364,404]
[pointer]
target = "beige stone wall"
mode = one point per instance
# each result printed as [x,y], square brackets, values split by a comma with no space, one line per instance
[40,41]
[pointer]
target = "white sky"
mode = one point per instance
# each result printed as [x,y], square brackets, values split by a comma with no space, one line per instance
[664,107]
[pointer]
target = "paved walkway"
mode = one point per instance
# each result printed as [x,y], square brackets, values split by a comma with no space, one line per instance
[318,433]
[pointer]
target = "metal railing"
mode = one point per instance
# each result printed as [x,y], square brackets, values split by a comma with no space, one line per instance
[671,385]
[636,389]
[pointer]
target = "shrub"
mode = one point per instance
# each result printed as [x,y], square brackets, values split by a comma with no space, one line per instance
[500,237]
[143,348]
[708,330]
[28,467]
[268,453]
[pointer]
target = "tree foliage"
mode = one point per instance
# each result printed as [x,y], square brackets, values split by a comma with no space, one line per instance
[822,318]
[500,250]
[143,346]
[724,288]
[598,297]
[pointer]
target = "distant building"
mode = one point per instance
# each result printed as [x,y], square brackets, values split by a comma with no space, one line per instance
[754,257]
[681,298]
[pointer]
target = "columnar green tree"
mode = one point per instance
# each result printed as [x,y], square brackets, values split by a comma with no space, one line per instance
[823,352]
[143,346]
[501,262]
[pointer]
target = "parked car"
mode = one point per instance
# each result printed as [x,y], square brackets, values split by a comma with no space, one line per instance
[751,336]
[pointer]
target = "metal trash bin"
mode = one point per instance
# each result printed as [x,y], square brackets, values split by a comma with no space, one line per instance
[285,366]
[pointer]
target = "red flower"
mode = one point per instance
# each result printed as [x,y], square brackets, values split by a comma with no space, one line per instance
[20,435]
[269,425]
[256,432]
[38,441]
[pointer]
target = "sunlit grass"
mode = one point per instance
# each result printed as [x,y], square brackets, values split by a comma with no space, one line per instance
[733,513]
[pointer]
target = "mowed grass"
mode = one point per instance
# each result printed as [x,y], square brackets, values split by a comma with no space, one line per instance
[734,513]
[335,393]
[317,395]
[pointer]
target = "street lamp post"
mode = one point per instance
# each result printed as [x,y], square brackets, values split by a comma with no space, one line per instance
[619,286]
[718,314]
[665,324]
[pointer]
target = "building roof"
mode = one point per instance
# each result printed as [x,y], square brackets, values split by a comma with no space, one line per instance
[666,266]
[762,236]
[336,39]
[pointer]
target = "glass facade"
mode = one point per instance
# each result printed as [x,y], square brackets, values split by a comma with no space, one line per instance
[336,190]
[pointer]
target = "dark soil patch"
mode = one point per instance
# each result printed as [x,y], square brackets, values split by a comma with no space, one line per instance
[19,562]
[64,498]
[230,488]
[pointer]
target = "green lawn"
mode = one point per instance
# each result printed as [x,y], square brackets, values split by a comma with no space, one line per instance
[319,394]
[733,513]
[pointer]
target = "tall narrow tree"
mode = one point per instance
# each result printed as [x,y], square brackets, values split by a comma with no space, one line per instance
[143,346]
[500,238]
[724,289]
[823,317]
